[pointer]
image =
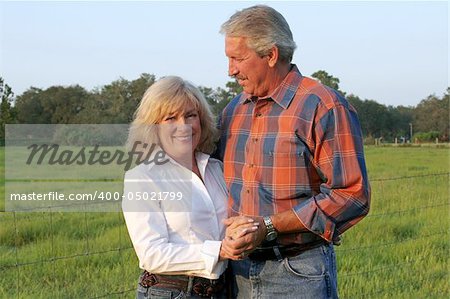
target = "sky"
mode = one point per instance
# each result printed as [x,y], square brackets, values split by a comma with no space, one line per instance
[395,53]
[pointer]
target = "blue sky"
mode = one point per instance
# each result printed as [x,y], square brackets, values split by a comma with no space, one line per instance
[393,52]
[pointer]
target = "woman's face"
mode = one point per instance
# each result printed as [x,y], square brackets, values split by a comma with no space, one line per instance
[179,133]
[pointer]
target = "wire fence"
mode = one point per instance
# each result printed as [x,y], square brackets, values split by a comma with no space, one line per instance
[90,255]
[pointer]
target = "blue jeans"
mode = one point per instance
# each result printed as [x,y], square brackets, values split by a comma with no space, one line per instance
[159,293]
[311,274]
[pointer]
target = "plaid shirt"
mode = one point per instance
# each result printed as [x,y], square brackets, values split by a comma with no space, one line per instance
[300,148]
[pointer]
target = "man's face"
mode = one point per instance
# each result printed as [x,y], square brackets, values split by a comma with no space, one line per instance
[250,70]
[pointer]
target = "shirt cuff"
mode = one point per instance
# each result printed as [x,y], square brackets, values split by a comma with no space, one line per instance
[315,220]
[210,252]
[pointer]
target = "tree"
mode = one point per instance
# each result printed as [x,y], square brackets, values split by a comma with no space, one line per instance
[208,93]
[7,111]
[233,88]
[327,80]
[224,96]
[220,97]
[29,107]
[432,115]
[64,103]
[400,118]
[117,101]
[373,117]
[55,105]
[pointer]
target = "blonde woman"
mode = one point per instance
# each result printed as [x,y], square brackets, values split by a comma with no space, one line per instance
[176,226]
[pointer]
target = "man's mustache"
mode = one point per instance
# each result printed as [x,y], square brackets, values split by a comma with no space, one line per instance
[238,77]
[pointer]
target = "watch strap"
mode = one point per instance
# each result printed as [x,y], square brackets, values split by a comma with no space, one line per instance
[269,224]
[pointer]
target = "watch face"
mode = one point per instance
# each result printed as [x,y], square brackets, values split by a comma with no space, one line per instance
[271,236]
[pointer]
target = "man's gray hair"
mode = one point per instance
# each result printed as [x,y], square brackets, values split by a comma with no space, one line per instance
[264,27]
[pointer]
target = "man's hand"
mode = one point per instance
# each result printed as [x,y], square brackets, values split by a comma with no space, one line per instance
[243,235]
[239,226]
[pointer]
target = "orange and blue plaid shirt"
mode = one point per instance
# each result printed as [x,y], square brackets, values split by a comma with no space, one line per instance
[300,148]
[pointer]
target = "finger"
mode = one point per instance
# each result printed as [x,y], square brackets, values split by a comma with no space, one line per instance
[228,221]
[242,232]
[233,247]
[238,220]
[244,228]
[237,246]
[229,251]
[246,243]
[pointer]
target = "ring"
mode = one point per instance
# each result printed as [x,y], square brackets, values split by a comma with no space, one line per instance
[242,255]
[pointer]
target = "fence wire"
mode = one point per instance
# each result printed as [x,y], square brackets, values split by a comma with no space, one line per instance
[128,263]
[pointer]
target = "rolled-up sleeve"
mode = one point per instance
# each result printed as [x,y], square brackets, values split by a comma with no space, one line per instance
[338,158]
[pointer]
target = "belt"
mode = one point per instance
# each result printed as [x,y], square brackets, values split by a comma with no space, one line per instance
[279,252]
[202,287]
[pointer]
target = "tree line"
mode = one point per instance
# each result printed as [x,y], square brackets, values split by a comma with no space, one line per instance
[116,102]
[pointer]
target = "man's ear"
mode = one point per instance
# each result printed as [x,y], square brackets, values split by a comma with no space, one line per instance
[273,56]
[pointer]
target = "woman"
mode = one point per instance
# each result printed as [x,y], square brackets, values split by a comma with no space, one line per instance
[176,224]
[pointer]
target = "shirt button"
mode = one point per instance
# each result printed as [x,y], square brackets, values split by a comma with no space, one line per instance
[255,139]
[248,191]
[258,114]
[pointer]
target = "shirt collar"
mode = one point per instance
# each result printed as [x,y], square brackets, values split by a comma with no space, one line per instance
[284,93]
[202,159]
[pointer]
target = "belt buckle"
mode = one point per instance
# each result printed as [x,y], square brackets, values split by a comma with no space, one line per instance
[206,288]
[148,280]
[203,289]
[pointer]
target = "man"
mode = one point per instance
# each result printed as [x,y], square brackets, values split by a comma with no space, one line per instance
[293,162]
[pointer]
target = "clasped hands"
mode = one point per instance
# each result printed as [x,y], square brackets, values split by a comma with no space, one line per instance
[243,234]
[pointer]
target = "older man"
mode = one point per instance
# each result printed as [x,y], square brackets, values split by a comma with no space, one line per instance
[293,161]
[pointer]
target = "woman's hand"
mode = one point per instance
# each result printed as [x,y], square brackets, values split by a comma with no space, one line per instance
[242,236]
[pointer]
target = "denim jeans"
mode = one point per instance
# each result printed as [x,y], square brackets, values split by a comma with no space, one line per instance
[159,293]
[311,274]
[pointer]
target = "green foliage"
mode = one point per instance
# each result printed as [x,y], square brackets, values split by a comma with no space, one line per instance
[219,98]
[7,112]
[327,79]
[369,140]
[90,135]
[113,103]
[427,136]
[378,120]
[55,105]
[432,114]
[400,118]
[116,103]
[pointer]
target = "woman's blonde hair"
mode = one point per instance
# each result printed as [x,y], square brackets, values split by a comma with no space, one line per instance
[168,95]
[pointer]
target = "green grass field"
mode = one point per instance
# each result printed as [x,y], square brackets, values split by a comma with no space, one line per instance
[399,251]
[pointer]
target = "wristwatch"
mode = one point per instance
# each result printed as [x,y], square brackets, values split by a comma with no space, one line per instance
[271,232]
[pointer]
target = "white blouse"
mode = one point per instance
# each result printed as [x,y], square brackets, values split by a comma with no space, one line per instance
[172,236]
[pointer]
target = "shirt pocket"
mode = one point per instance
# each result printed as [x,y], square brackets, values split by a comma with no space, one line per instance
[285,168]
